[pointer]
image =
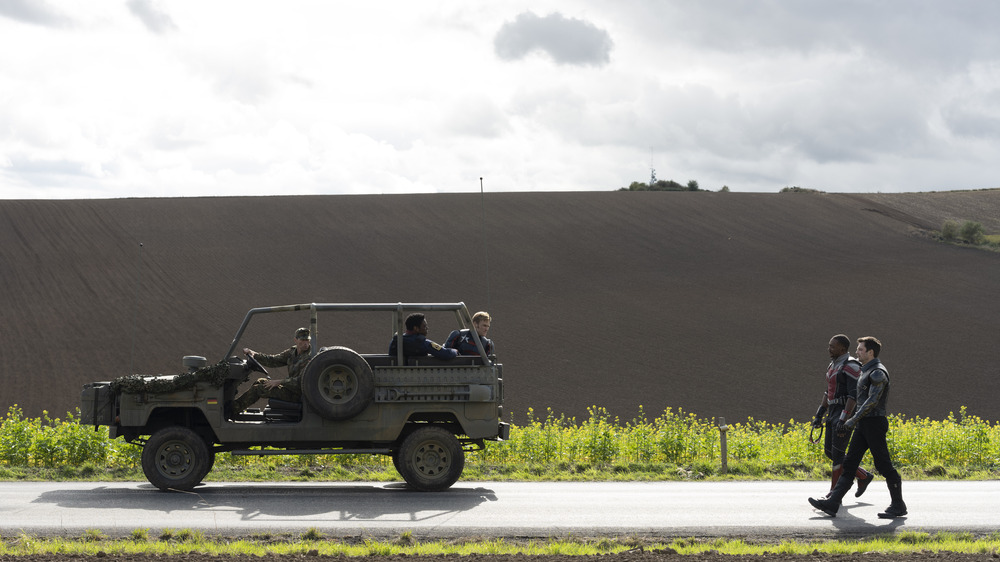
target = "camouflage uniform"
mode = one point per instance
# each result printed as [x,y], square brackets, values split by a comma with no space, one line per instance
[290,389]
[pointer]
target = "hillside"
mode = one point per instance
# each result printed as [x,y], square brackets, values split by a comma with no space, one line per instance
[717,303]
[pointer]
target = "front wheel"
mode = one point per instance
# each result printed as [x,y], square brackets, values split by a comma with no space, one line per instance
[430,459]
[175,458]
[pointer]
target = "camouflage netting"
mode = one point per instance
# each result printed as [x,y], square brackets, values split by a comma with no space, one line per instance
[214,375]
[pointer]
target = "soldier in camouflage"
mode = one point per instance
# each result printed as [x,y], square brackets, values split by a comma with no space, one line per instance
[290,389]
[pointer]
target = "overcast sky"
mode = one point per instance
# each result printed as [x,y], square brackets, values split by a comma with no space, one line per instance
[153,98]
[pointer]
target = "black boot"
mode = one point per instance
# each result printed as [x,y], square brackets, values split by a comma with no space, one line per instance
[827,505]
[897,508]
[831,504]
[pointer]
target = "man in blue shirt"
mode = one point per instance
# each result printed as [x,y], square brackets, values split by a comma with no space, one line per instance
[463,341]
[415,342]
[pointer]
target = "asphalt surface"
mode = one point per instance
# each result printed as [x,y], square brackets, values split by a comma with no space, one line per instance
[753,510]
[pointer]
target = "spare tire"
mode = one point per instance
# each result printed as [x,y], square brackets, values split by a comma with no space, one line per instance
[338,383]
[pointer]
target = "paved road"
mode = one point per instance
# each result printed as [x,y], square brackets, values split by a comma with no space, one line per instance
[766,510]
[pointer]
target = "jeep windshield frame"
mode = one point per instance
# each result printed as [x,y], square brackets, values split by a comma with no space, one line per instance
[396,309]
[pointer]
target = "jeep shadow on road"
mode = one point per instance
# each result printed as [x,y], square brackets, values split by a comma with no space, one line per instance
[251,502]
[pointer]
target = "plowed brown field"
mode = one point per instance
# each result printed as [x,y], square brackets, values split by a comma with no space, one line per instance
[717,303]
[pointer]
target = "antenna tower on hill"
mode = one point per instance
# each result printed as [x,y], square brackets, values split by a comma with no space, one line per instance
[652,170]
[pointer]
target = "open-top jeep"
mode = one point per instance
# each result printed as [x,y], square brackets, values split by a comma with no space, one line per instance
[424,412]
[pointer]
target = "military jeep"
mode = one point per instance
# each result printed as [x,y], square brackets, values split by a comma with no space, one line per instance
[426,413]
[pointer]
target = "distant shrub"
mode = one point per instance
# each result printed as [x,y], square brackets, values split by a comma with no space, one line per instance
[949,230]
[661,185]
[797,189]
[970,232]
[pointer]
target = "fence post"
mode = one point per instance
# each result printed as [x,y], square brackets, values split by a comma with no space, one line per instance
[723,428]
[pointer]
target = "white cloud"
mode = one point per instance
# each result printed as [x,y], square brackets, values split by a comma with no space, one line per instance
[139,98]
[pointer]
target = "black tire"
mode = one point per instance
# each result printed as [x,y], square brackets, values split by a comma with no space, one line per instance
[395,462]
[430,459]
[209,464]
[175,458]
[338,384]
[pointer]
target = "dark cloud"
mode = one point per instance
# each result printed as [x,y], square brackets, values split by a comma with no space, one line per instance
[35,12]
[974,116]
[566,40]
[920,34]
[154,19]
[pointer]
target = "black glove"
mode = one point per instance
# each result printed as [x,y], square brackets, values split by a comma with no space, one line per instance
[841,429]
[818,418]
[845,426]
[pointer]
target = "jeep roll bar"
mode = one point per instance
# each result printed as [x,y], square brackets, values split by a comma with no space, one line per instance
[397,309]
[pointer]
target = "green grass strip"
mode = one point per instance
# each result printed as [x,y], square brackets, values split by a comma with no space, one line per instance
[93,542]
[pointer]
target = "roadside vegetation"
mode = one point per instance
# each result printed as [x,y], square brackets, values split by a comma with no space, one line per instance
[313,542]
[673,446]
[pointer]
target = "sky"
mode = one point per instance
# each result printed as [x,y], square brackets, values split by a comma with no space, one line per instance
[151,98]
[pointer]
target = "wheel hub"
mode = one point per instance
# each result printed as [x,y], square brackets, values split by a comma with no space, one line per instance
[175,459]
[431,459]
[338,384]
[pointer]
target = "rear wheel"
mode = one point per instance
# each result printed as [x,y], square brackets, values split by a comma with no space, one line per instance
[430,459]
[338,384]
[175,458]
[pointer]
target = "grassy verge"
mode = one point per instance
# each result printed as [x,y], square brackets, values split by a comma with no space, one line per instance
[672,446]
[313,542]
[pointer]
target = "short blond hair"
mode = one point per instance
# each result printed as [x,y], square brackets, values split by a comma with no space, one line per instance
[481,315]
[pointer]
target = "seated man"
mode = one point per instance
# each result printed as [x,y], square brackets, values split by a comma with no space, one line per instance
[463,341]
[290,389]
[415,342]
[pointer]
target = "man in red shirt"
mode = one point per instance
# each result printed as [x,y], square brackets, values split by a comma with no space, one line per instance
[838,404]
